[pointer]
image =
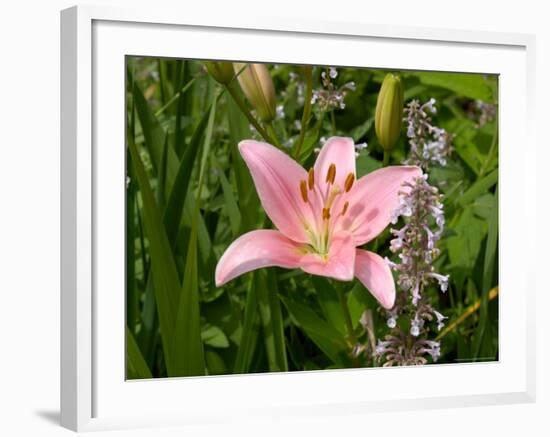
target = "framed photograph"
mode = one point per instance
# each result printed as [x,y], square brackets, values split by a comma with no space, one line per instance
[278,218]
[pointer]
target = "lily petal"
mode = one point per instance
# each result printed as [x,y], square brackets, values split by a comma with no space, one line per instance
[254,250]
[375,274]
[339,151]
[372,200]
[339,263]
[277,178]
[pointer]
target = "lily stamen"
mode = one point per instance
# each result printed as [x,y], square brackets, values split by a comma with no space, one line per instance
[331,174]
[311,178]
[350,179]
[345,208]
[303,190]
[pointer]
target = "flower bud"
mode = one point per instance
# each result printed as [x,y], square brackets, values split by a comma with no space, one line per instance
[258,88]
[389,111]
[221,71]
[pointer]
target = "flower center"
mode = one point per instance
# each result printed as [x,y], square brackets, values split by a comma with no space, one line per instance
[320,240]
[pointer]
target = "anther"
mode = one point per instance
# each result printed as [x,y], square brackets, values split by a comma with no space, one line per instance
[311,178]
[326,213]
[345,208]
[303,190]
[350,179]
[331,174]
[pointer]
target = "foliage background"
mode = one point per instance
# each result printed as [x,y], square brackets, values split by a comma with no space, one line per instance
[182,134]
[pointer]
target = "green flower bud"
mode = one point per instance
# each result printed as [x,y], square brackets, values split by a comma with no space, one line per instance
[389,111]
[222,72]
[258,88]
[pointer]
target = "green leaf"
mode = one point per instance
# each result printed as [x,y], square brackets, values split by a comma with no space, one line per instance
[483,206]
[469,153]
[207,142]
[166,107]
[311,139]
[360,131]
[180,187]
[414,91]
[465,246]
[152,130]
[491,247]
[478,188]
[163,80]
[326,337]
[154,139]
[188,347]
[272,322]
[136,367]
[238,131]
[469,85]
[165,274]
[184,107]
[149,316]
[366,164]
[132,294]
[204,242]
[215,363]
[449,177]
[214,336]
[231,206]
[329,302]
[488,274]
[161,184]
[250,332]
[359,300]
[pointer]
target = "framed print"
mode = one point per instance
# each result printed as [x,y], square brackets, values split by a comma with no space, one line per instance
[278,218]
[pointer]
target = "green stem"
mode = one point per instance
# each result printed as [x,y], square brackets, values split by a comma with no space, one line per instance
[174,97]
[307,110]
[206,149]
[491,153]
[386,158]
[347,316]
[333,122]
[271,132]
[242,106]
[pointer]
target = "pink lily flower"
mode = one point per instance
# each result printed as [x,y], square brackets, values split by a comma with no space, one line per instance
[322,215]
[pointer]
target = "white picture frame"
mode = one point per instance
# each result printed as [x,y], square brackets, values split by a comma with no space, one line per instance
[94,395]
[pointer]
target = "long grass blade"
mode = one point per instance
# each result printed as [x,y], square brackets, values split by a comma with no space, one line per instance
[188,346]
[329,303]
[132,295]
[165,274]
[488,273]
[248,199]
[180,187]
[154,139]
[478,188]
[249,333]
[231,206]
[493,293]
[327,338]
[136,367]
[272,322]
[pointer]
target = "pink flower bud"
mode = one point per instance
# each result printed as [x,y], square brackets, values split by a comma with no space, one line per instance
[258,88]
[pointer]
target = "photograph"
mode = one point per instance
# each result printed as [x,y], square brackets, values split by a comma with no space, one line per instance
[285,217]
